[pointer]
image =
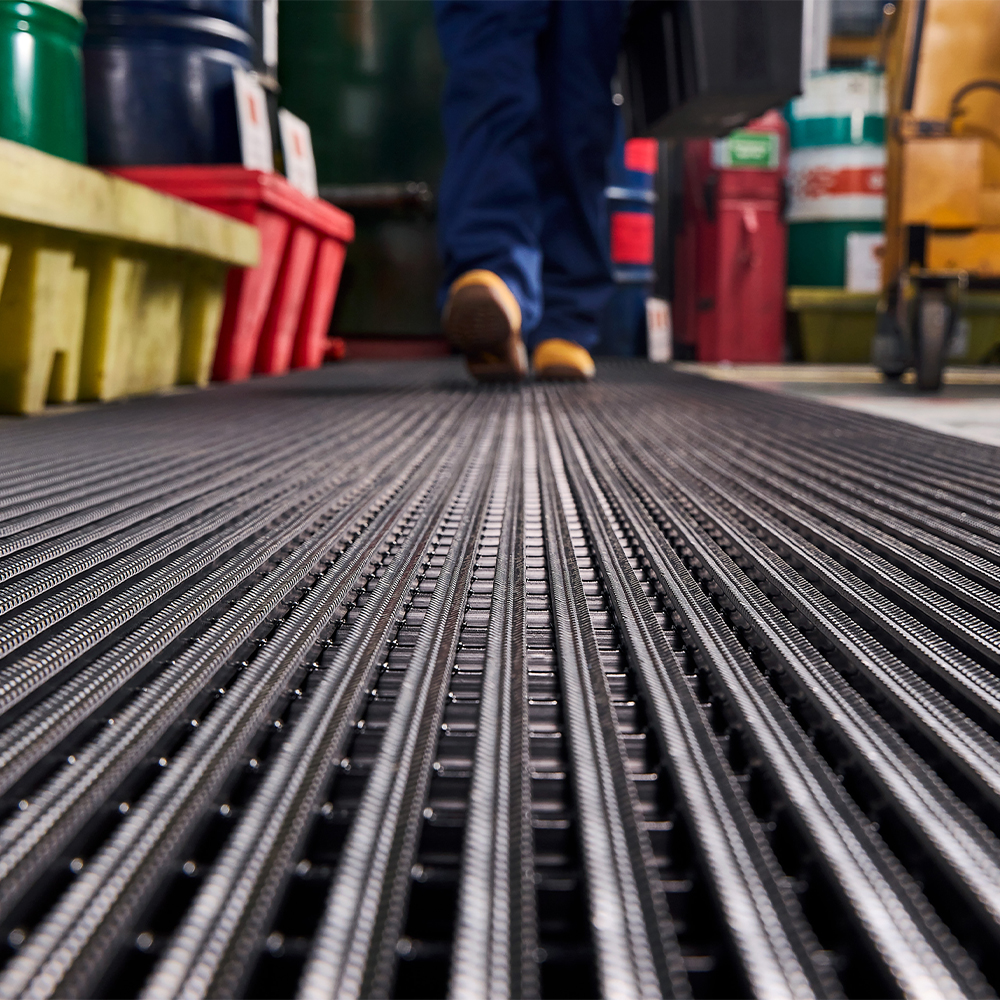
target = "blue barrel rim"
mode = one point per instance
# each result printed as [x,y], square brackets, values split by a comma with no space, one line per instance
[214,27]
[236,12]
[614,193]
[633,274]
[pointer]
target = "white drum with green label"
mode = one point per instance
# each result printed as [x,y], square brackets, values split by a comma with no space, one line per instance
[836,177]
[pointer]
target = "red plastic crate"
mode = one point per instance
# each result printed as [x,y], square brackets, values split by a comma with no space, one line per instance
[277,313]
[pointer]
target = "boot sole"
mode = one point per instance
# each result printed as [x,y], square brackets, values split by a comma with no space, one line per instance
[479,327]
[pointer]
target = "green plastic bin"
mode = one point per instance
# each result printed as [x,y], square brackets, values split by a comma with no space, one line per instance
[835,326]
[41,77]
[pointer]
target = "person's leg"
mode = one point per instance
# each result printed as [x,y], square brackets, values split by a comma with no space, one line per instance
[489,214]
[577,58]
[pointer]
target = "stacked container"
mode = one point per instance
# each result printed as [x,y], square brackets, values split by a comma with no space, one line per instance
[836,174]
[631,200]
[631,203]
[162,111]
[730,260]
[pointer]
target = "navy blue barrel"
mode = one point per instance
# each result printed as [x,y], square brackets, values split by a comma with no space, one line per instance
[158,77]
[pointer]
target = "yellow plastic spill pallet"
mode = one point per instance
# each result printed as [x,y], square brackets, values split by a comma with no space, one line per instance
[107,288]
[837,326]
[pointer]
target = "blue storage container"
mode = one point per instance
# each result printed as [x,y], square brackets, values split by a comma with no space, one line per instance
[631,201]
[158,80]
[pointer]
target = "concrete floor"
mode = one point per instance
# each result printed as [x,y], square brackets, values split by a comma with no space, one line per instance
[967,406]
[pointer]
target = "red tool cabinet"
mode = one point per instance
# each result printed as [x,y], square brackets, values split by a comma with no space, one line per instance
[729,300]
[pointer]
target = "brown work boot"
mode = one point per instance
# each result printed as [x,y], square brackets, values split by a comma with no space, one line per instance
[557,360]
[483,320]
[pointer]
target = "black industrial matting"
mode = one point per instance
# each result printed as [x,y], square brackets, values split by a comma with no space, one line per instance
[370,682]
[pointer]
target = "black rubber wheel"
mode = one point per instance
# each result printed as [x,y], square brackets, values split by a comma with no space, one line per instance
[933,329]
[890,352]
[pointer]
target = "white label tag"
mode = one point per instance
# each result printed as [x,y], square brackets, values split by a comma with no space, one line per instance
[659,331]
[269,44]
[296,144]
[255,129]
[863,262]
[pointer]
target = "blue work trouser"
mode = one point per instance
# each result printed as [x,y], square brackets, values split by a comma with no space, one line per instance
[529,122]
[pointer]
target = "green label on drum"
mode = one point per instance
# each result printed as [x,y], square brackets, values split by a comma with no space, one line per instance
[747,150]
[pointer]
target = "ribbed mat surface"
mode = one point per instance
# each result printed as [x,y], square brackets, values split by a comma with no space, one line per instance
[369,682]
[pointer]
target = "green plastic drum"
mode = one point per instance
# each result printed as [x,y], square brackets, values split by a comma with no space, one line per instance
[367,77]
[41,78]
